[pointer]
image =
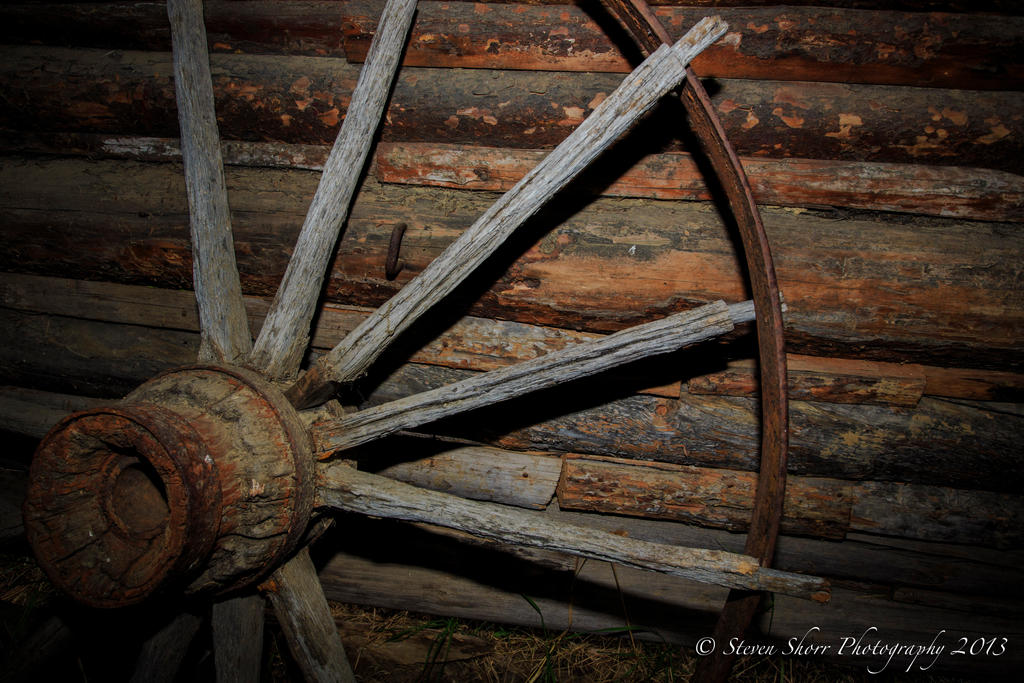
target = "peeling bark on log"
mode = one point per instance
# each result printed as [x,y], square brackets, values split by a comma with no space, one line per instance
[925,445]
[544,372]
[936,291]
[821,507]
[785,43]
[634,97]
[975,193]
[950,191]
[303,100]
[969,51]
[833,380]
[483,344]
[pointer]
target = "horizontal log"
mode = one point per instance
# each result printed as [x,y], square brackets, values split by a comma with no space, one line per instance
[472,343]
[835,380]
[640,343]
[720,499]
[452,578]
[952,191]
[993,6]
[783,43]
[303,100]
[816,506]
[484,344]
[479,473]
[939,292]
[788,43]
[923,445]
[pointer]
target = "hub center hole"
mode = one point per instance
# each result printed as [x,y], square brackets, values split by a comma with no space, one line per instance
[139,498]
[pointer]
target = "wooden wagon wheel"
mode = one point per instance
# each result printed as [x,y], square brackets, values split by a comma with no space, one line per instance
[204,480]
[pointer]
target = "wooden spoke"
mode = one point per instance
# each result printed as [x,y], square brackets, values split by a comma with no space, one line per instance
[237,626]
[298,600]
[582,360]
[225,328]
[162,654]
[284,336]
[345,488]
[637,93]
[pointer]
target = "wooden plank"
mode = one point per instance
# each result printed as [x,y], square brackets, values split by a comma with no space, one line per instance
[822,507]
[785,43]
[942,191]
[836,380]
[955,192]
[303,100]
[792,43]
[721,499]
[863,288]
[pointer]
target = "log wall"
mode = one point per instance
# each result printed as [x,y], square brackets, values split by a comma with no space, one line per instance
[883,139]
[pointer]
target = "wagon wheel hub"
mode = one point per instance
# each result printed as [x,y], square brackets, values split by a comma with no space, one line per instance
[199,479]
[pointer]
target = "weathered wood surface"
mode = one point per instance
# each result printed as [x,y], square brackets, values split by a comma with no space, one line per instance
[305,617]
[544,372]
[507,477]
[615,115]
[973,52]
[303,100]
[956,192]
[236,625]
[816,506]
[924,445]
[484,344]
[785,43]
[709,497]
[341,487]
[163,653]
[895,290]
[225,331]
[479,583]
[835,380]
[976,193]
[284,337]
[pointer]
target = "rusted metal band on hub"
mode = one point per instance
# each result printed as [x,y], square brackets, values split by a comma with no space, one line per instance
[121,502]
[201,478]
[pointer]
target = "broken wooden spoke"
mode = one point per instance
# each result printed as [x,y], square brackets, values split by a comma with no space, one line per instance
[637,93]
[341,487]
[224,325]
[301,608]
[284,337]
[661,336]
